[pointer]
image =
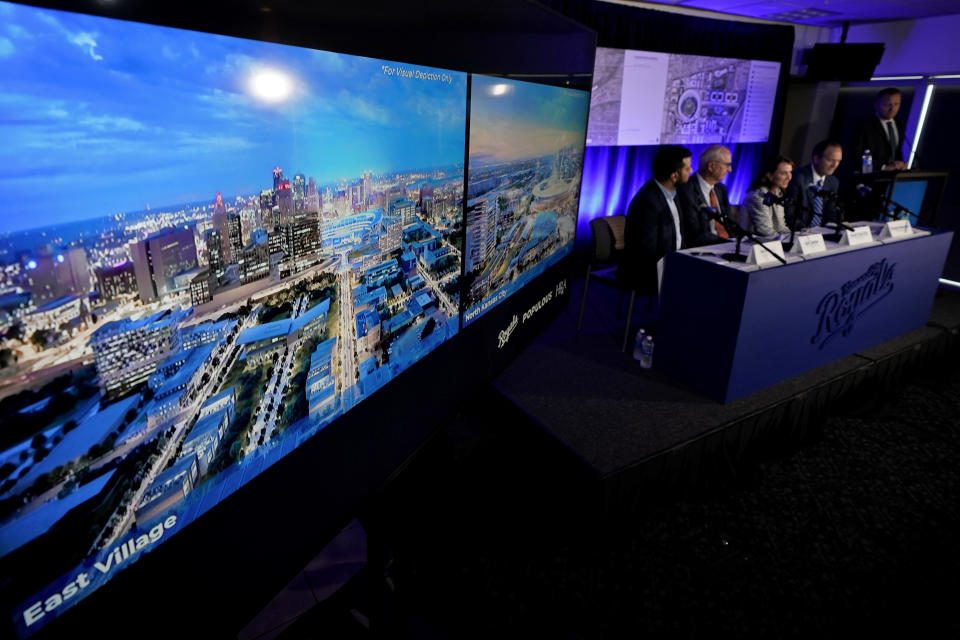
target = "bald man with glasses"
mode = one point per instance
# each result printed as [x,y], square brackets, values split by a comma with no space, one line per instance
[703,190]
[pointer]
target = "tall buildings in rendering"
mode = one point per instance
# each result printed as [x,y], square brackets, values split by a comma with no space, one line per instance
[159,258]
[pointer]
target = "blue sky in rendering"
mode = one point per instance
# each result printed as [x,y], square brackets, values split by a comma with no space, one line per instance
[101,116]
[512,120]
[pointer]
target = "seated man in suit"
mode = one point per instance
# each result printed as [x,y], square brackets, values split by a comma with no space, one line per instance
[882,133]
[811,185]
[705,190]
[654,220]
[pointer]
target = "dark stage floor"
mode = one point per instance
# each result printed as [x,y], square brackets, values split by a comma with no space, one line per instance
[500,525]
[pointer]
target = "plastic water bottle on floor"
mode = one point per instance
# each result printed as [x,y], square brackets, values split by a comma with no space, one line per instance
[646,352]
[638,343]
[866,162]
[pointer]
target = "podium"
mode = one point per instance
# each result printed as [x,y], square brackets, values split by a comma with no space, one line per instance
[727,330]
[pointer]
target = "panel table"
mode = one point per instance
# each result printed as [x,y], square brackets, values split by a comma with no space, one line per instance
[729,329]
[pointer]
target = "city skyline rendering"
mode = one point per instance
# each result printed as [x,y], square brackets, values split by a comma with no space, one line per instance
[301,249]
[523,185]
[103,117]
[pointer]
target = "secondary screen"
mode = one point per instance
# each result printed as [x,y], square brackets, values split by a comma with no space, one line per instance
[523,185]
[211,248]
[651,98]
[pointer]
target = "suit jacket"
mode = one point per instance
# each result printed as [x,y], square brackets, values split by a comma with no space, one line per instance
[648,236]
[697,226]
[873,136]
[761,219]
[799,193]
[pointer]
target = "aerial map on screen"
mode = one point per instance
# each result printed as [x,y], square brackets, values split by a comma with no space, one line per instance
[649,98]
[523,185]
[210,249]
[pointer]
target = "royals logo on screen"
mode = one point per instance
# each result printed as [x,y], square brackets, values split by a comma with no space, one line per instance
[838,311]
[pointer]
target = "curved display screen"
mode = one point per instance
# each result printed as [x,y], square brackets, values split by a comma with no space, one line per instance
[211,249]
[523,187]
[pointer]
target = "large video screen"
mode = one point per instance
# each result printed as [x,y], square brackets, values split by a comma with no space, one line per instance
[523,185]
[211,249]
[652,98]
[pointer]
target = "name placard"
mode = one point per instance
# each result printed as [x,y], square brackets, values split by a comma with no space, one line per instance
[761,257]
[856,236]
[808,244]
[896,229]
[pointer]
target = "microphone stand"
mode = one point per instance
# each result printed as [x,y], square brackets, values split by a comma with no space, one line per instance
[793,226]
[838,223]
[738,231]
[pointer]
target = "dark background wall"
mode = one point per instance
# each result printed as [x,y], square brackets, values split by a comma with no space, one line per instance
[612,175]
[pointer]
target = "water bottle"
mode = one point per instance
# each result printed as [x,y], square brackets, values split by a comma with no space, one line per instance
[646,352]
[638,343]
[866,162]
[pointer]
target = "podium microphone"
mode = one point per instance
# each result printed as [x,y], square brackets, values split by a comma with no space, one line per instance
[714,214]
[821,193]
[770,199]
[735,230]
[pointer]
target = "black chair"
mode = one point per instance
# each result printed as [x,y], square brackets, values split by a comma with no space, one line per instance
[608,234]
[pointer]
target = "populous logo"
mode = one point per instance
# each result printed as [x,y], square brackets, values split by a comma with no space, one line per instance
[839,309]
[504,336]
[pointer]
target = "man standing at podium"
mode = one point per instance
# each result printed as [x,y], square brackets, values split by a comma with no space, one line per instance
[814,188]
[705,190]
[654,220]
[882,133]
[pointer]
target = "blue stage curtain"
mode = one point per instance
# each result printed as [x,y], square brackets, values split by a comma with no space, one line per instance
[613,175]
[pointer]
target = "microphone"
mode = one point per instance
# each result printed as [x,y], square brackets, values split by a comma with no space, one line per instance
[822,193]
[713,213]
[770,198]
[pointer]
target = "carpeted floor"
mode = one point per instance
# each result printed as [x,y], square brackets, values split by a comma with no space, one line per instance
[495,529]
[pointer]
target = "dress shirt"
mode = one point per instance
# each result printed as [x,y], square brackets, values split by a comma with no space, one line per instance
[890,128]
[671,197]
[706,189]
[817,178]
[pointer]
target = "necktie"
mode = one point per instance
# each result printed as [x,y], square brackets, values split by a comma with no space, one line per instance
[892,136]
[720,229]
[817,206]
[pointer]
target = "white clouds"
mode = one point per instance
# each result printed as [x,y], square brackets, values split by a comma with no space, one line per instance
[109,124]
[356,106]
[328,61]
[232,65]
[515,140]
[227,105]
[85,40]
[18,32]
[6,48]
[27,107]
[175,54]
[169,52]
[211,144]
